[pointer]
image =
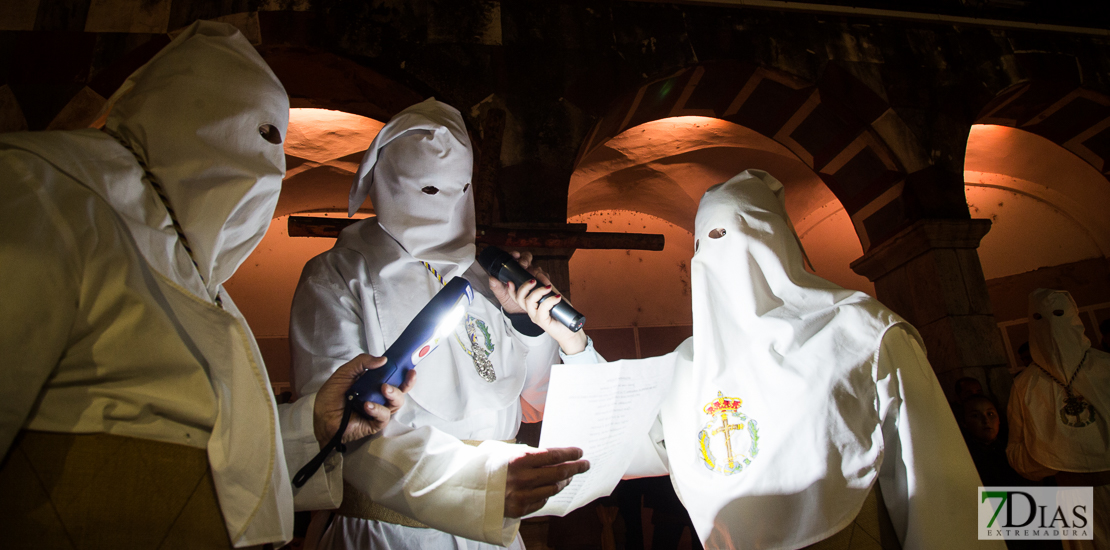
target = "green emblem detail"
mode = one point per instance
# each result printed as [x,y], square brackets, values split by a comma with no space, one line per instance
[485,333]
[477,351]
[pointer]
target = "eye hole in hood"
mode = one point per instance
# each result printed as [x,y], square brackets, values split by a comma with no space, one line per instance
[270,133]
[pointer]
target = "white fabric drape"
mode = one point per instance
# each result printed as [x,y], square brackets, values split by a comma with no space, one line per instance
[128,338]
[794,396]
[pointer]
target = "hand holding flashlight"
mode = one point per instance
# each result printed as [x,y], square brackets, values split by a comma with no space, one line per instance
[331,400]
[434,322]
[501,289]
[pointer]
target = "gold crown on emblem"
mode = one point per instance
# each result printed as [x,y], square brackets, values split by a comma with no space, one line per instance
[722,404]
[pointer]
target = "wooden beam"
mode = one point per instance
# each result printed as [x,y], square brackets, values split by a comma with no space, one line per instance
[304,226]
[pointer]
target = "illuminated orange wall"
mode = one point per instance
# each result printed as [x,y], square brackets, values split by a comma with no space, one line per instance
[1047,207]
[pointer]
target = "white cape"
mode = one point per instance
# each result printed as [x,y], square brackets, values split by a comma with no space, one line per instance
[794,396]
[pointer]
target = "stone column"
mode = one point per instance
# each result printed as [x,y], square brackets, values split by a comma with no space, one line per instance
[929,273]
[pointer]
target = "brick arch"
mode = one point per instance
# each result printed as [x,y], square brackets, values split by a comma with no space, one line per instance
[1060,110]
[837,126]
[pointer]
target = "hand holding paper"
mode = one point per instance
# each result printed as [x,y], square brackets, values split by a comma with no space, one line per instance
[603,409]
[536,476]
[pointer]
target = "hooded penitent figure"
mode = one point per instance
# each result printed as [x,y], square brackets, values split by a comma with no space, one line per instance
[795,397]
[477,385]
[1058,406]
[135,411]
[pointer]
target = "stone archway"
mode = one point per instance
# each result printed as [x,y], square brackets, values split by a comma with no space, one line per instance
[924,268]
[1073,117]
[837,126]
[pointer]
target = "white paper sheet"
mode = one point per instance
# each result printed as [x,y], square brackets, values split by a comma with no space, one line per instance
[601,408]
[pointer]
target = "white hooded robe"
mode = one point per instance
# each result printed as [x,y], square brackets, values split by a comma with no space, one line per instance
[110,325]
[794,396]
[359,296]
[1048,432]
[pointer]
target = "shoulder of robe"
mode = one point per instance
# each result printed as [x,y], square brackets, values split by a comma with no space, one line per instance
[337,265]
[366,239]
[59,194]
[1025,378]
[871,320]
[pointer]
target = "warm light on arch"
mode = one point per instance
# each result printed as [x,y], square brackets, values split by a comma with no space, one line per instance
[1047,205]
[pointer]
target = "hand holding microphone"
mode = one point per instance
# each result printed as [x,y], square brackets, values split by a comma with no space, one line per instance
[545,307]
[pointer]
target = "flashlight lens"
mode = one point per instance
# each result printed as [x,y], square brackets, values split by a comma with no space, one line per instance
[451,320]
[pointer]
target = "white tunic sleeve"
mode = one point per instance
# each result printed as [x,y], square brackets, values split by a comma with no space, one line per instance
[435,478]
[587,356]
[38,298]
[927,476]
[324,490]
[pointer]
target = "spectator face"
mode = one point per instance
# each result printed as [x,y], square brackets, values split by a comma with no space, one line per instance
[981,420]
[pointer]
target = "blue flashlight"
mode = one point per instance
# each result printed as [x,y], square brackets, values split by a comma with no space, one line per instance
[437,320]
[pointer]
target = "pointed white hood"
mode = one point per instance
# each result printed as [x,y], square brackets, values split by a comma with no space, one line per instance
[748,262]
[192,116]
[417,172]
[1056,338]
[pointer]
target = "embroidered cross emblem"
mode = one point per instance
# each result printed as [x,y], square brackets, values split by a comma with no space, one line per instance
[727,408]
[725,429]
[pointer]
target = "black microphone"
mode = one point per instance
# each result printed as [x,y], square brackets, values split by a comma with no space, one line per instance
[502,266]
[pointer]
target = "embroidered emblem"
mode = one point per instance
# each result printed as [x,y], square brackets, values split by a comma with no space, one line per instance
[727,430]
[478,351]
[1077,412]
[1075,406]
[480,356]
